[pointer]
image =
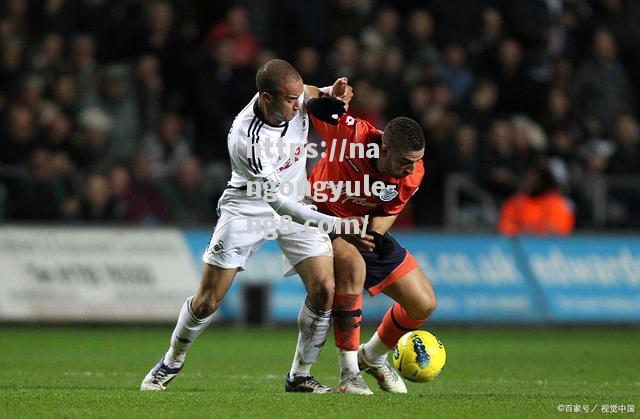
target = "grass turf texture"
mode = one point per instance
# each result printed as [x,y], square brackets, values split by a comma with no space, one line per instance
[231,372]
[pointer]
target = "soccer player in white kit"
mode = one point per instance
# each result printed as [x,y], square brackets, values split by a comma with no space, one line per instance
[278,112]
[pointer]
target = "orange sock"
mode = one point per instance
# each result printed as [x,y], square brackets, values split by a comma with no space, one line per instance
[347,314]
[395,324]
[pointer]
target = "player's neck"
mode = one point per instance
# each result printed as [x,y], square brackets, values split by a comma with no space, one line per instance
[264,114]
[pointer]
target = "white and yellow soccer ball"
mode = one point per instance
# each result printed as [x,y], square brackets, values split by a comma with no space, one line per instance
[419,356]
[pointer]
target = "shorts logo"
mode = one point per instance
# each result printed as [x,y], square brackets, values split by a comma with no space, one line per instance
[218,247]
[388,193]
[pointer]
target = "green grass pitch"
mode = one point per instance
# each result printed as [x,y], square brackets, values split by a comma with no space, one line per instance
[234,372]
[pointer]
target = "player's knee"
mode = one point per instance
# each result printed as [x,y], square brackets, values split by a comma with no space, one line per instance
[350,276]
[321,291]
[424,306]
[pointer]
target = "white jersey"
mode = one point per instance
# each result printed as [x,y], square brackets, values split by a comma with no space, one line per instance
[262,151]
[233,242]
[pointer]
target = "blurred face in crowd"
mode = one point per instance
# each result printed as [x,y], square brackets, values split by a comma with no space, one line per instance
[419,98]
[491,23]
[98,191]
[387,22]
[627,131]
[484,96]
[308,60]
[500,137]
[394,61]
[51,47]
[116,89]
[65,90]
[59,129]
[120,179]
[563,142]
[20,124]
[346,51]
[11,55]
[238,20]
[143,168]
[465,141]
[510,53]
[421,25]
[42,168]
[223,52]
[160,16]
[189,172]
[604,46]
[83,50]
[170,128]
[455,55]
[31,91]
[559,103]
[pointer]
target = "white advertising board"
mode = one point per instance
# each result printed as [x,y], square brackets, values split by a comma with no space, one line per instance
[93,274]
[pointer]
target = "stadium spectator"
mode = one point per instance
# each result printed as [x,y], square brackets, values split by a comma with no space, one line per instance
[117,100]
[455,73]
[166,145]
[19,137]
[45,194]
[92,145]
[144,202]
[539,208]
[236,27]
[149,89]
[98,205]
[184,194]
[601,89]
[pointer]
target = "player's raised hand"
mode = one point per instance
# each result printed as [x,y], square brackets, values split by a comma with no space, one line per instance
[343,91]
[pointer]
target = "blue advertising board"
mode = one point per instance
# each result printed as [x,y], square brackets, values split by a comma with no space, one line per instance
[587,278]
[479,278]
[476,278]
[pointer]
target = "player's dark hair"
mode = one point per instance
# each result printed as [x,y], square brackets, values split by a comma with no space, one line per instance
[404,134]
[273,74]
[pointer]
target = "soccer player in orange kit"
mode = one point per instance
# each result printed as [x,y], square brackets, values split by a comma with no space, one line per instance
[388,267]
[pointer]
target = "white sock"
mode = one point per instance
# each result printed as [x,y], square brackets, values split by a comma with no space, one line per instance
[375,350]
[348,361]
[313,326]
[187,330]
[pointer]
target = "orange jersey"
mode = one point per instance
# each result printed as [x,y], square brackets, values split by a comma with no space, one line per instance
[357,172]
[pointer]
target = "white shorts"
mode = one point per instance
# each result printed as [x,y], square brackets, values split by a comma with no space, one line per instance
[245,224]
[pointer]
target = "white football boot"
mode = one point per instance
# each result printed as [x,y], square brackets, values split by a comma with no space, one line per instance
[159,376]
[387,377]
[354,384]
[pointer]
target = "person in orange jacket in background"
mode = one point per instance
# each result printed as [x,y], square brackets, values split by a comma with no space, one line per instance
[539,208]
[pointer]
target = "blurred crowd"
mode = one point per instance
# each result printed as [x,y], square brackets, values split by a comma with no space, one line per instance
[118,110]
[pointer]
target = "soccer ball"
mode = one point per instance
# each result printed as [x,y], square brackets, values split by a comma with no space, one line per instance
[419,356]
